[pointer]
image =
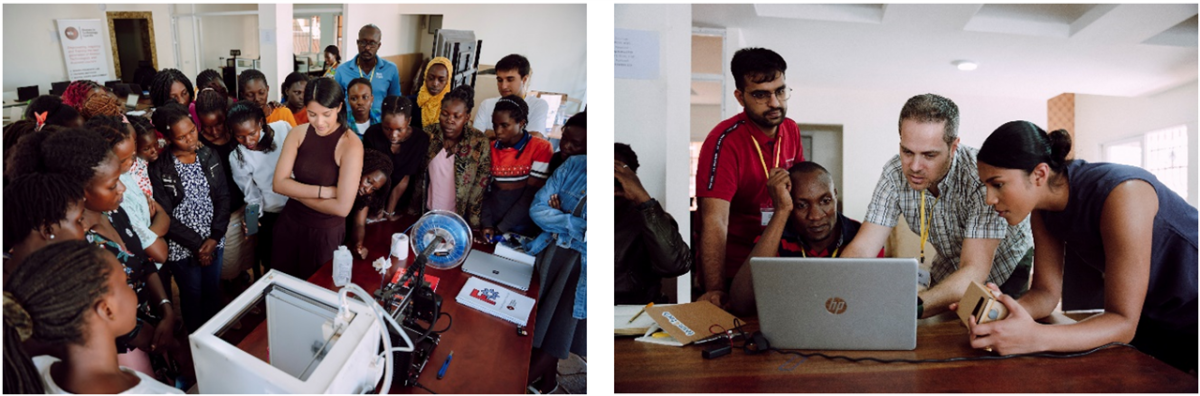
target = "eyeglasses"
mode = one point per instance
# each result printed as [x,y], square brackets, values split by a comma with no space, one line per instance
[763,96]
[368,43]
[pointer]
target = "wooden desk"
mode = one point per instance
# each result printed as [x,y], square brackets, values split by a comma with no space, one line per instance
[489,356]
[649,368]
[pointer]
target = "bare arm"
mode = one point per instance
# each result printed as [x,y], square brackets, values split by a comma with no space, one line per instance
[742,292]
[974,265]
[161,222]
[869,240]
[349,175]
[1126,228]
[714,222]
[397,192]
[359,233]
[158,250]
[283,183]
[1046,289]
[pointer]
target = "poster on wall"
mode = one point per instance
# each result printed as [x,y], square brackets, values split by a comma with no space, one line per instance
[635,53]
[83,49]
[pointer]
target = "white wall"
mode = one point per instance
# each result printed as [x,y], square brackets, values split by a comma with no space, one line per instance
[557,49]
[871,134]
[1103,119]
[654,115]
[33,55]
[276,20]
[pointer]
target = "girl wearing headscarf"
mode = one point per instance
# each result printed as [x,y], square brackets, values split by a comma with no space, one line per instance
[434,87]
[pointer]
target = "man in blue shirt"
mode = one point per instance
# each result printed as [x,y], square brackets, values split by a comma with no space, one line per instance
[383,75]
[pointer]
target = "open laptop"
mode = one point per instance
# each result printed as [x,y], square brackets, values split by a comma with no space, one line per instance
[508,272]
[837,304]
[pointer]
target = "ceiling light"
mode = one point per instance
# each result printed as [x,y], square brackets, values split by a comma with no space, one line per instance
[965,65]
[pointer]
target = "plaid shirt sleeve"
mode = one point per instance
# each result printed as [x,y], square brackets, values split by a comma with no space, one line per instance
[884,208]
[982,221]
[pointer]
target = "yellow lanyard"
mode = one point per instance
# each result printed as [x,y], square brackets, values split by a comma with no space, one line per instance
[924,225]
[766,171]
[372,73]
[805,254]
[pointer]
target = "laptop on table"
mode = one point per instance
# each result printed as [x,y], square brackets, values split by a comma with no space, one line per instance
[837,304]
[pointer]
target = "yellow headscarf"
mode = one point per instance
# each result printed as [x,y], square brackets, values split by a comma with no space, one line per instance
[431,105]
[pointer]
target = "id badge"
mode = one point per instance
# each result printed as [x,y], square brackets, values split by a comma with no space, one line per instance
[767,214]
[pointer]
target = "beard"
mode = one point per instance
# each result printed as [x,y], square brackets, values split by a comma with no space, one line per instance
[763,121]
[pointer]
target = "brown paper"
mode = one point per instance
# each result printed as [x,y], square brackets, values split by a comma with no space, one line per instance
[691,322]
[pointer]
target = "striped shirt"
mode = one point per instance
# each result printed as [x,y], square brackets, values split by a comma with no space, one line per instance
[960,212]
[530,156]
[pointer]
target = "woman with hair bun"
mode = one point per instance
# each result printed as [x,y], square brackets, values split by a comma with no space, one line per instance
[1121,227]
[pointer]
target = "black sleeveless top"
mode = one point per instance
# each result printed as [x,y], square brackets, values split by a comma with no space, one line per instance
[1171,294]
[315,165]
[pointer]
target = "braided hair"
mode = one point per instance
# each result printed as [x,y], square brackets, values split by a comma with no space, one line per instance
[375,160]
[101,105]
[210,101]
[166,116]
[396,105]
[142,126]
[463,93]
[516,108]
[207,77]
[160,87]
[37,201]
[244,111]
[77,92]
[50,295]
[113,129]
[73,152]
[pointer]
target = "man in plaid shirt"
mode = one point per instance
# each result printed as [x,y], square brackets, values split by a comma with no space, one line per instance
[934,183]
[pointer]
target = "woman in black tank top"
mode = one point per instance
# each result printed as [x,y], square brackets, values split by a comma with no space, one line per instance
[1114,222]
[318,171]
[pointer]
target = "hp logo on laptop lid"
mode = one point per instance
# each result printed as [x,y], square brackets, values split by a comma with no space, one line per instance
[835,305]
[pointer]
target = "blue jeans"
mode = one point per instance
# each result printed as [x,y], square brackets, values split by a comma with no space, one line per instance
[199,288]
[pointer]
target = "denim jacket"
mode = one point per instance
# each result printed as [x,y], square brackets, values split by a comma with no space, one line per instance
[562,227]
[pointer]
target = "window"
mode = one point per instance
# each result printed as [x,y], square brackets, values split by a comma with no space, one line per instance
[1163,152]
[306,35]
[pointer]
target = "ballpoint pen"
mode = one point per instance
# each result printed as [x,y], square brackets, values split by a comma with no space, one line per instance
[446,365]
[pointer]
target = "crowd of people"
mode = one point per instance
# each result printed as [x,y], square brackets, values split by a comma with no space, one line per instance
[1016,213]
[208,186]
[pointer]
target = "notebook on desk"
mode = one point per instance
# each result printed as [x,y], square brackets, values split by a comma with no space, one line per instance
[837,304]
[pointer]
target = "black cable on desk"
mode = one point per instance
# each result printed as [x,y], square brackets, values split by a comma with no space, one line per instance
[423,387]
[953,359]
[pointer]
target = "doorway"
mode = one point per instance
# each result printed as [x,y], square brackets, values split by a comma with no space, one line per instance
[823,145]
[132,38]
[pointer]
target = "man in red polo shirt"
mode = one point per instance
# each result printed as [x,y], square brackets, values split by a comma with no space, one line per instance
[735,163]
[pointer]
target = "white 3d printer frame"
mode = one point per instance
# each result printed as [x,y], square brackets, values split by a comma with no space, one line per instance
[298,313]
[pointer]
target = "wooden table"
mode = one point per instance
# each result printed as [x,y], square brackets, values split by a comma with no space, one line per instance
[489,355]
[649,368]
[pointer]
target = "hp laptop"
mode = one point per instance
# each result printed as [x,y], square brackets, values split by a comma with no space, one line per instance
[511,273]
[837,304]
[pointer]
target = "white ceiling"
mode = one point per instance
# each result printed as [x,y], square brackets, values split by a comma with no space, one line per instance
[1023,50]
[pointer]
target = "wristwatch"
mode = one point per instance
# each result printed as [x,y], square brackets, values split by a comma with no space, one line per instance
[920,307]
